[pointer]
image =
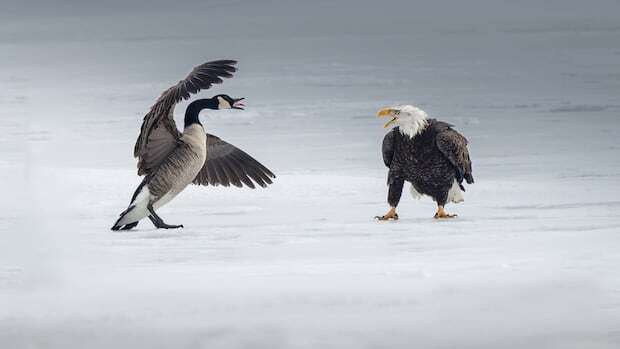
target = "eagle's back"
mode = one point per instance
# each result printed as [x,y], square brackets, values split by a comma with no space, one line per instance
[420,161]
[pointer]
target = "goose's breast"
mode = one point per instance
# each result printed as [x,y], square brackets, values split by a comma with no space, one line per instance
[181,167]
[195,156]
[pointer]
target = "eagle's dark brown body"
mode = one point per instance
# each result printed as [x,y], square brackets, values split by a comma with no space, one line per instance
[431,161]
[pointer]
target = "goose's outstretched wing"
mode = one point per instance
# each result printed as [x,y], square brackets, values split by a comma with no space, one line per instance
[159,134]
[227,164]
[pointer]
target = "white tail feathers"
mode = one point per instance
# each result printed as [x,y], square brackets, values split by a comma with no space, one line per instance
[137,210]
[455,194]
[414,193]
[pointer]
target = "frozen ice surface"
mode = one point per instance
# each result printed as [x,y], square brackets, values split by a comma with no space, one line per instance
[532,261]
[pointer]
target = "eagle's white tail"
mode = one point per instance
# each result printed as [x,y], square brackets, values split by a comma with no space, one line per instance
[414,193]
[455,194]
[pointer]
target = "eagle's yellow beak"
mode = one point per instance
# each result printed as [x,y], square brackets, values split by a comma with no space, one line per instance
[386,112]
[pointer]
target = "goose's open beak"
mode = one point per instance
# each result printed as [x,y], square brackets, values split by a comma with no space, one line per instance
[386,112]
[238,104]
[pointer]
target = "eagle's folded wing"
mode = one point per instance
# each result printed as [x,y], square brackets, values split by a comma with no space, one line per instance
[454,147]
[388,147]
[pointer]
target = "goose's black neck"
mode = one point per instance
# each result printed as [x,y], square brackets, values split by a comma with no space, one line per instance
[194,108]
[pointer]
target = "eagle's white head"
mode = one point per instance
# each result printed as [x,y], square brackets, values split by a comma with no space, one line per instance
[410,120]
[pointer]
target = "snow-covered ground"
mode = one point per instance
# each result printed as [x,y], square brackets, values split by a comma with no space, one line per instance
[532,261]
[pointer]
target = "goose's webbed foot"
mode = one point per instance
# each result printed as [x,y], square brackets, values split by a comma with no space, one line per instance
[159,223]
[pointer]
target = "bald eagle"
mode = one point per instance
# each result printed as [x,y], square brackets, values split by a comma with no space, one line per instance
[426,152]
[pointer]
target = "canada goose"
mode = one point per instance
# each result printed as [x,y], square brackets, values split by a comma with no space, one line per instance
[171,160]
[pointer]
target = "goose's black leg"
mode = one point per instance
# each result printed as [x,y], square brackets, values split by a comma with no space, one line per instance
[155,222]
[158,222]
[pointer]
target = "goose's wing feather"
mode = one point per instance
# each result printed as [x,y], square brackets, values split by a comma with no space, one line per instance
[163,138]
[159,133]
[227,164]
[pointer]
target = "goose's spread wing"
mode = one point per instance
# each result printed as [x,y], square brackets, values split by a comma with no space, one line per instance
[227,164]
[159,134]
[454,147]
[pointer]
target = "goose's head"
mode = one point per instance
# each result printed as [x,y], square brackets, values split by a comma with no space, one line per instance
[410,120]
[227,102]
[215,103]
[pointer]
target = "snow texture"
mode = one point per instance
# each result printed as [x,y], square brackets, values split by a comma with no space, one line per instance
[532,261]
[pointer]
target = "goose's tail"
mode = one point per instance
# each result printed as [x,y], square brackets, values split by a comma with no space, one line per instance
[121,224]
[138,209]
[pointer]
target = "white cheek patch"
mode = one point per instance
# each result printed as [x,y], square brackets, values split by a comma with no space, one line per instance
[222,103]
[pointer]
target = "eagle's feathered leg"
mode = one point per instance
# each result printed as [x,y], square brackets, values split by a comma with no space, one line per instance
[394,193]
[441,213]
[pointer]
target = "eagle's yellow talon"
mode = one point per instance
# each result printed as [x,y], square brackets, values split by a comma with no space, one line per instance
[443,214]
[390,215]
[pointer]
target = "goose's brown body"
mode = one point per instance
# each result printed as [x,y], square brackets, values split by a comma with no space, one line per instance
[171,160]
[180,167]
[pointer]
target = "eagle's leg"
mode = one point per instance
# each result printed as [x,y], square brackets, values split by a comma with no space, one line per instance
[158,222]
[441,213]
[396,189]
